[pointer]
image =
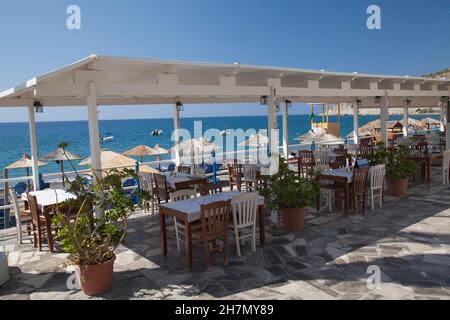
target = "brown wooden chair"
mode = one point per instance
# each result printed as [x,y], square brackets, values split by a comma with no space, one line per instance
[209,189]
[161,189]
[359,189]
[40,221]
[184,169]
[305,162]
[235,175]
[215,218]
[340,161]
[366,151]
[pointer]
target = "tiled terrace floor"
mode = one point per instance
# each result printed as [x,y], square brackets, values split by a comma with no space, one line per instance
[409,240]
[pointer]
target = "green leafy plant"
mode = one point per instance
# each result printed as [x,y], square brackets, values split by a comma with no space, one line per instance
[399,165]
[285,190]
[91,240]
[379,156]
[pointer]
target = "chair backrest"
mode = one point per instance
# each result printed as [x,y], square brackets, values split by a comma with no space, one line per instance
[183,195]
[234,171]
[250,172]
[321,157]
[366,150]
[215,219]
[34,208]
[305,161]
[377,174]
[146,181]
[360,177]
[161,186]
[321,168]
[245,208]
[209,189]
[15,203]
[184,169]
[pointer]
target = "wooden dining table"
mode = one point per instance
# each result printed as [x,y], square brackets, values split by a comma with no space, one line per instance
[47,199]
[189,211]
[342,177]
[179,181]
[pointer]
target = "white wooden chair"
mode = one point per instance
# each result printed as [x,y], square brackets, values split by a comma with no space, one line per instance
[251,183]
[445,167]
[376,181]
[180,196]
[321,157]
[146,183]
[321,168]
[22,215]
[245,208]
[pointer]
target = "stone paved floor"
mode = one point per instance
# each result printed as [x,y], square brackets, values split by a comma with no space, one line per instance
[409,240]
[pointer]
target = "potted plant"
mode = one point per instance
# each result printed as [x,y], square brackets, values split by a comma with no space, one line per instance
[290,195]
[91,241]
[399,168]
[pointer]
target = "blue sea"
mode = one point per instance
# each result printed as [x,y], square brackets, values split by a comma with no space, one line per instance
[130,133]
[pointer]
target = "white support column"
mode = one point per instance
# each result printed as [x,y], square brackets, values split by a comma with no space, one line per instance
[33,145]
[405,118]
[286,130]
[271,118]
[384,115]
[443,119]
[176,132]
[94,134]
[356,122]
[446,104]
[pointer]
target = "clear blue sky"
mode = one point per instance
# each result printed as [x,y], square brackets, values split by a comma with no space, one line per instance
[314,34]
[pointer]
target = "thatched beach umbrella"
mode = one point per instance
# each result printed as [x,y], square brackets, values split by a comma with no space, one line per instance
[23,163]
[320,138]
[256,140]
[140,151]
[111,160]
[428,123]
[60,155]
[194,146]
[159,151]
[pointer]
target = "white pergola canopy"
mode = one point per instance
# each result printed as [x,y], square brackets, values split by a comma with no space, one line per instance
[127,81]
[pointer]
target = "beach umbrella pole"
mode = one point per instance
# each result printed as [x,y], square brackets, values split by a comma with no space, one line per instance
[62,173]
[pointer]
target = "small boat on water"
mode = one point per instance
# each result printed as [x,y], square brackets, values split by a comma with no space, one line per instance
[107,137]
[157,132]
[225,133]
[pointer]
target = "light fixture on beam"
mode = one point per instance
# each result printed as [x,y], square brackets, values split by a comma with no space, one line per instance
[358,102]
[377,100]
[38,107]
[408,102]
[263,100]
[180,106]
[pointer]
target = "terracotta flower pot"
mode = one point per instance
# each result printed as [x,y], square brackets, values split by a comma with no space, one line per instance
[293,219]
[96,279]
[397,188]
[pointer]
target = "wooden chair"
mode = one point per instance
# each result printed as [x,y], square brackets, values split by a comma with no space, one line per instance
[366,151]
[147,184]
[245,210]
[251,182]
[305,162]
[184,169]
[340,161]
[180,196]
[40,221]
[359,189]
[215,219]
[376,184]
[209,189]
[321,157]
[22,216]
[235,175]
[162,191]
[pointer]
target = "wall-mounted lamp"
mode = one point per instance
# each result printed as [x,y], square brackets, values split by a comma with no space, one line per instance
[263,100]
[180,106]
[377,100]
[408,102]
[38,107]
[289,103]
[358,102]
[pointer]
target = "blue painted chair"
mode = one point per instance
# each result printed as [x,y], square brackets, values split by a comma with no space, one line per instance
[20,188]
[171,167]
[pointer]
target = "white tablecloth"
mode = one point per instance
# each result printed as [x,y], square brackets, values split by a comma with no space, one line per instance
[340,173]
[180,177]
[50,197]
[192,207]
